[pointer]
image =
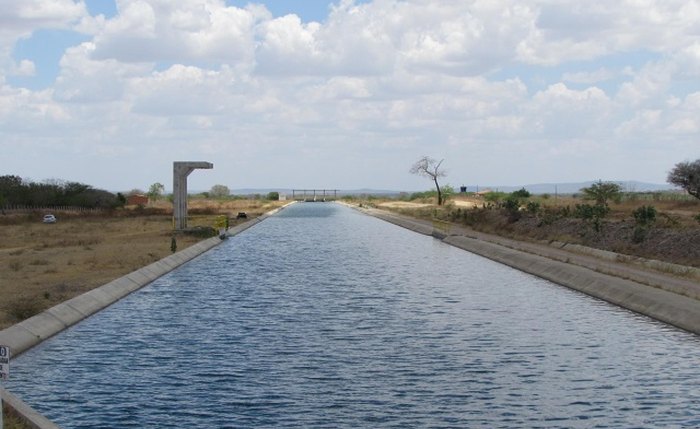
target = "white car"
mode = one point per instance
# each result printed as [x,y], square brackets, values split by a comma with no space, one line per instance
[49,218]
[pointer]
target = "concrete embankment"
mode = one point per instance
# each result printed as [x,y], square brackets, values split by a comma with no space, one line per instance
[15,407]
[30,332]
[663,297]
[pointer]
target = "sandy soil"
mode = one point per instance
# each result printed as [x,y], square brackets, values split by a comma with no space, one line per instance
[402,205]
[458,202]
[467,203]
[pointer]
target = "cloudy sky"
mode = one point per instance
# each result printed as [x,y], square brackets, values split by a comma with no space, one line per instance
[348,94]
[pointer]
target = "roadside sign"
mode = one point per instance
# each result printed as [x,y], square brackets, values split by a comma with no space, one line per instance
[4,362]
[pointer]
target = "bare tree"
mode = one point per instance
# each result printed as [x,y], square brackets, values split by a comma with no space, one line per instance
[430,168]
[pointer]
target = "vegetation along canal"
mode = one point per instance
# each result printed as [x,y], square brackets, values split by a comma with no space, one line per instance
[323,317]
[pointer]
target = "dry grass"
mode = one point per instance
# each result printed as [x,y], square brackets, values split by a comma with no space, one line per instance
[43,265]
[12,422]
[674,237]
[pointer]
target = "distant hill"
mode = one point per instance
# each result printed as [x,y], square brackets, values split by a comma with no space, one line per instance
[288,192]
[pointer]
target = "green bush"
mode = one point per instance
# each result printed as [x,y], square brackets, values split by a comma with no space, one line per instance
[602,192]
[494,197]
[521,193]
[201,232]
[533,207]
[511,204]
[273,196]
[594,213]
[549,215]
[512,208]
[645,215]
[587,211]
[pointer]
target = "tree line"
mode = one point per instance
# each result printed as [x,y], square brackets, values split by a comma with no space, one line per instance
[685,175]
[14,191]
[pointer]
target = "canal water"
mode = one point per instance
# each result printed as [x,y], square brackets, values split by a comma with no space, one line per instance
[323,317]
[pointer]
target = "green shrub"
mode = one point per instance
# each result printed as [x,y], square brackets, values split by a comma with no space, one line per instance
[511,204]
[273,196]
[533,207]
[645,215]
[593,213]
[201,232]
[588,211]
[552,214]
[512,208]
[520,193]
[602,192]
[494,197]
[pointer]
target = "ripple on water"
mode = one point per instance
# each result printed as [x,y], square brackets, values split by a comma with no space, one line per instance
[322,317]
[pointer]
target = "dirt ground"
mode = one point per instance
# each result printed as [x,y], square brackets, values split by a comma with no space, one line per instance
[43,265]
[457,202]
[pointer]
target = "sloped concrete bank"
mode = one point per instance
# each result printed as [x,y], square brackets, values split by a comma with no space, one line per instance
[631,293]
[28,333]
[14,406]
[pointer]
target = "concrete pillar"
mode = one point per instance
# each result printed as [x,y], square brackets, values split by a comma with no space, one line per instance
[182,169]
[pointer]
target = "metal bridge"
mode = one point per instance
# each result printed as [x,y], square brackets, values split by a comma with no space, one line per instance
[312,195]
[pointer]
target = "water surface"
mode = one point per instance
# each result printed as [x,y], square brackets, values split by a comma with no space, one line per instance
[323,317]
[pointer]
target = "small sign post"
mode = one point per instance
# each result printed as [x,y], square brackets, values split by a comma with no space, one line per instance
[4,372]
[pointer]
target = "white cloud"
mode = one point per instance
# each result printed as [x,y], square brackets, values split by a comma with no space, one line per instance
[24,68]
[20,18]
[575,30]
[183,31]
[180,90]
[388,80]
[560,112]
[85,80]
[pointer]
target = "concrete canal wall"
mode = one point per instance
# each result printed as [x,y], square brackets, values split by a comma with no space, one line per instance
[675,306]
[30,332]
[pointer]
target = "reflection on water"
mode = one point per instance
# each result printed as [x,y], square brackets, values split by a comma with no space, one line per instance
[323,317]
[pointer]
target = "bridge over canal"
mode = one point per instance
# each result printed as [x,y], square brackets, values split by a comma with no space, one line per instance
[315,194]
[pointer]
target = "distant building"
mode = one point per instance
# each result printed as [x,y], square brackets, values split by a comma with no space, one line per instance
[136,200]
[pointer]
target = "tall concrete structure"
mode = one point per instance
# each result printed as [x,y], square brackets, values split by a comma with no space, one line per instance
[182,169]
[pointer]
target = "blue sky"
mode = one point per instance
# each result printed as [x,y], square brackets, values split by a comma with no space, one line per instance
[347,94]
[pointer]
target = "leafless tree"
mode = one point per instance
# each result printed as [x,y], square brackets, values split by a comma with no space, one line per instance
[430,168]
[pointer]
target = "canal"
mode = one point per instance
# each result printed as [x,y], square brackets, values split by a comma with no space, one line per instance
[324,317]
